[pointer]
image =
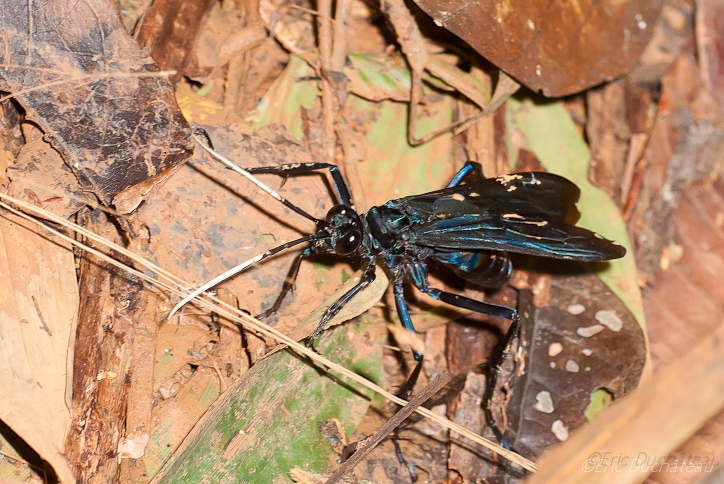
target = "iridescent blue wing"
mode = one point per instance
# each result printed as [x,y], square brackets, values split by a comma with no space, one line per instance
[527,213]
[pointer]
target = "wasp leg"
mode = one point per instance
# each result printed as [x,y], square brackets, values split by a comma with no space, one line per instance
[367,278]
[404,314]
[298,168]
[501,351]
[288,282]
[395,438]
[468,168]
[406,389]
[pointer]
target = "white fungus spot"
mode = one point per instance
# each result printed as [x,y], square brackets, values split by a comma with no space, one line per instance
[609,319]
[554,349]
[531,25]
[587,351]
[576,309]
[544,402]
[106,375]
[640,21]
[559,430]
[589,331]
[572,366]
[553,364]
[538,70]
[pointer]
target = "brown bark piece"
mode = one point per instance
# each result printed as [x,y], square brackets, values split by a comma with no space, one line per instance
[140,396]
[709,39]
[609,136]
[98,100]
[110,304]
[463,459]
[686,141]
[557,47]
[169,29]
[688,298]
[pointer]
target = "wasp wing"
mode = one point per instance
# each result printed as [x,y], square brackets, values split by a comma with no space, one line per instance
[521,193]
[528,213]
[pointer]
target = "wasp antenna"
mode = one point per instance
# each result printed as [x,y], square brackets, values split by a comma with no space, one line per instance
[248,263]
[254,180]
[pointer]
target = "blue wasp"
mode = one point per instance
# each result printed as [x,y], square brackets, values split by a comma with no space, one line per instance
[468,227]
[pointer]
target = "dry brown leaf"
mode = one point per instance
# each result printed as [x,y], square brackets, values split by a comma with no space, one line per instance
[38,311]
[101,104]
[557,47]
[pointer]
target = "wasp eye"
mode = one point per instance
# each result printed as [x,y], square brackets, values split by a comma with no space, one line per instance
[345,228]
[348,241]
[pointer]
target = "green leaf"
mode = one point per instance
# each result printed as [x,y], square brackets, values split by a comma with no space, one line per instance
[376,77]
[391,167]
[267,423]
[600,400]
[282,102]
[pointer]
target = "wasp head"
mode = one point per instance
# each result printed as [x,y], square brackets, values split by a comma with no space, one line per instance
[345,229]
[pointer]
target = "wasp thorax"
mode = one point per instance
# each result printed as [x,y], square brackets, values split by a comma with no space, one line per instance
[345,229]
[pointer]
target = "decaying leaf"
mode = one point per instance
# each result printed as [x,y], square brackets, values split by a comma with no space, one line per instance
[584,340]
[207,219]
[101,104]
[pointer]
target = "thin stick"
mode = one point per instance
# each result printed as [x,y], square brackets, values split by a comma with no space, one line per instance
[339,46]
[506,87]
[365,447]
[328,101]
[231,313]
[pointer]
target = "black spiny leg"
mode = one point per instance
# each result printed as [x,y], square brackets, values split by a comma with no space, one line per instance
[405,392]
[367,278]
[298,168]
[501,351]
[409,385]
[288,282]
[493,371]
